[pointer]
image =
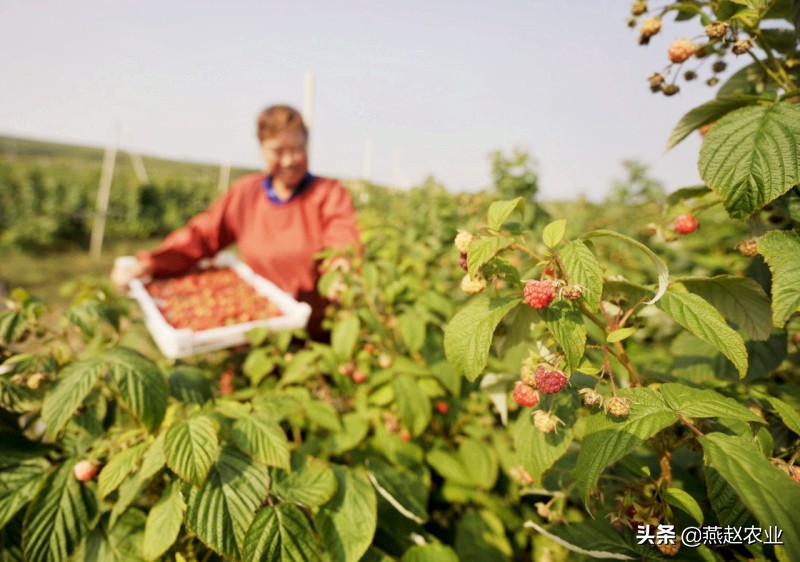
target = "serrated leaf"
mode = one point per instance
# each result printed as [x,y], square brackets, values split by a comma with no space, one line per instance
[191,447]
[190,385]
[787,413]
[553,233]
[413,405]
[12,326]
[348,522]
[121,542]
[781,251]
[280,532]
[482,536]
[448,464]
[608,438]
[118,467]
[18,486]
[706,114]
[482,250]
[412,331]
[696,403]
[699,317]
[401,488]
[152,462]
[499,211]
[164,522]
[221,511]
[597,539]
[141,387]
[684,193]
[683,501]
[752,156]
[311,483]
[431,552]
[584,270]
[770,494]
[355,428]
[661,268]
[263,439]
[59,517]
[468,336]
[74,384]
[739,299]
[725,502]
[323,414]
[480,460]
[538,451]
[565,322]
[620,334]
[344,337]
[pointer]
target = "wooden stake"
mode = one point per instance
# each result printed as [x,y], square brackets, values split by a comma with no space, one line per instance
[103,194]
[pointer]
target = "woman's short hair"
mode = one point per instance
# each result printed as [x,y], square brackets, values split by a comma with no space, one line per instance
[277,119]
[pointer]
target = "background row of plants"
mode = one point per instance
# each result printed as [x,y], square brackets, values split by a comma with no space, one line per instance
[400,439]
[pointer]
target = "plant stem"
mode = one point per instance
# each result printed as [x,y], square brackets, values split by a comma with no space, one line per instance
[690,425]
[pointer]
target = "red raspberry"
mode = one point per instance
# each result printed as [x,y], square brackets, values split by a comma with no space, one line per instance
[681,50]
[685,224]
[359,376]
[85,470]
[550,382]
[539,294]
[525,395]
[442,407]
[462,261]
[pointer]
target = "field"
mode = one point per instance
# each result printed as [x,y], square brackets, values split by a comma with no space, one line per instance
[506,379]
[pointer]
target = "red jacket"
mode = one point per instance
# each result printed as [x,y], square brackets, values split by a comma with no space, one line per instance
[277,240]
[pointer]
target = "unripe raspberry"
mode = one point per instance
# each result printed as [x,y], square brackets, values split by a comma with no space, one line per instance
[384,361]
[572,292]
[369,347]
[689,75]
[462,240]
[85,470]
[655,80]
[713,81]
[716,30]
[649,28]
[539,294]
[405,435]
[35,381]
[525,395]
[520,475]
[473,286]
[528,372]
[704,130]
[668,549]
[618,406]
[359,376]
[685,223]
[638,8]
[681,50]
[794,472]
[545,421]
[742,46]
[670,89]
[748,247]
[550,381]
[591,397]
[719,66]
[347,368]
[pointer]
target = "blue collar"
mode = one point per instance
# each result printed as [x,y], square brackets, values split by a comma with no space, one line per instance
[273,197]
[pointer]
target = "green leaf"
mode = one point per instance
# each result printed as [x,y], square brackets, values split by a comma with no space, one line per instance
[684,502]
[152,462]
[739,299]
[565,322]
[403,489]
[698,316]
[620,334]
[74,384]
[608,439]
[259,363]
[263,439]
[413,406]
[18,485]
[468,336]
[311,483]
[12,326]
[164,522]
[450,467]
[692,192]
[89,314]
[141,386]
[280,532]
[706,114]
[481,536]
[725,502]
[323,414]
[348,522]
[770,494]
[59,517]
[553,233]
[695,403]
[191,447]
[344,337]
[355,428]
[118,468]
[190,385]
[120,542]
[499,211]
[222,510]
[781,250]
[787,413]
[752,156]
[432,552]
[594,538]
[539,451]
[412,331]
[584,270]
[482,250]
[480,460]
[661,267]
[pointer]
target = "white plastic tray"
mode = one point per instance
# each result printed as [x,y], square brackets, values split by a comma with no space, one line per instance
[175,343]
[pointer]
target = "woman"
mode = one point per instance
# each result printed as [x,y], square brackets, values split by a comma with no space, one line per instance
[279,219]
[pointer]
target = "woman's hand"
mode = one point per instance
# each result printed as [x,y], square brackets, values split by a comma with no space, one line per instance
[126,270]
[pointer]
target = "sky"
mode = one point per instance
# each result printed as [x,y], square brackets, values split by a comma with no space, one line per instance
[402,90]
